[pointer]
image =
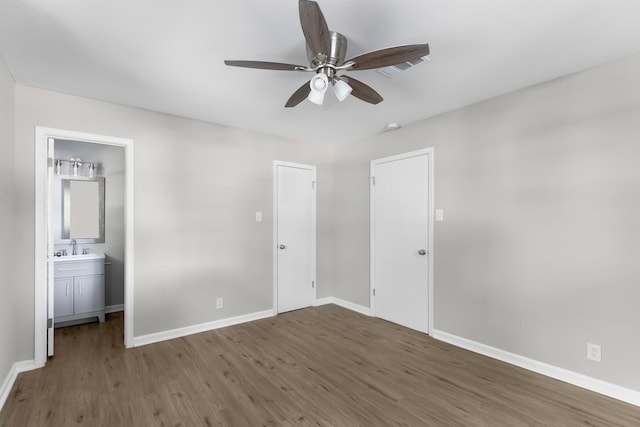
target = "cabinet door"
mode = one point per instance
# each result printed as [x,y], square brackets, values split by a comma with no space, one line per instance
[63,297]
[89,294]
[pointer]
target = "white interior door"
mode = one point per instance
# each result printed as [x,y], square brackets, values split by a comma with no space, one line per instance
[400,225]
[295,236]
[49,228]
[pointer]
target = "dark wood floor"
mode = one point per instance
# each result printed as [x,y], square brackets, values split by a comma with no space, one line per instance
[318,366]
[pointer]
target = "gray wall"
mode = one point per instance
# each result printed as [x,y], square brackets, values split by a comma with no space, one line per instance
[541,195]
[112,168]
[197,188]
[7,282]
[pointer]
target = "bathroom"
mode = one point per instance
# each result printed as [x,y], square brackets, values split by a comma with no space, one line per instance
[84,161]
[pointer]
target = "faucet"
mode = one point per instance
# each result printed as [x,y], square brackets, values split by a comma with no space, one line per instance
[73,243]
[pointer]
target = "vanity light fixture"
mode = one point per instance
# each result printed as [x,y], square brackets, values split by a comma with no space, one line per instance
[76,162]
[75,167]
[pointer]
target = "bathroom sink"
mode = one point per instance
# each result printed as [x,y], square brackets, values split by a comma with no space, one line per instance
[84,257]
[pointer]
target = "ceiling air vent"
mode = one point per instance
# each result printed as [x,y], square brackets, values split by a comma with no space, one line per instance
[392,70]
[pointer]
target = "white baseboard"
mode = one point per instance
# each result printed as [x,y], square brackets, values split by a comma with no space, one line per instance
[344,303]
[323,301]
[202,327]
[7,384]
[216,324]
[580,380]
[352,306]
[113,308]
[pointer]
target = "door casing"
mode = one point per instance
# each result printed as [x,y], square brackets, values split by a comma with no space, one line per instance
[42,250]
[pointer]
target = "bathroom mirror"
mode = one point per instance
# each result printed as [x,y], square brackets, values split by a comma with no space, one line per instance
[82,210]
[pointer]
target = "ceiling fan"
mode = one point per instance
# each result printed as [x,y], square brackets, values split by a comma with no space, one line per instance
[326,51]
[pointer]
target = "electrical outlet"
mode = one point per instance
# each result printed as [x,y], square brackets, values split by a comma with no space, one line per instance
[219,302]
[594,352]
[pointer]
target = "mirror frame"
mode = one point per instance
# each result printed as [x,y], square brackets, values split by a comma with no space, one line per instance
[65,230]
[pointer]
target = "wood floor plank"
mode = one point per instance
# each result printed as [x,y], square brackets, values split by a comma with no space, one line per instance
[324,366]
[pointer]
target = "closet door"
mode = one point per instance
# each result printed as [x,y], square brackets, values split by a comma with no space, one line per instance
[295,236]
[400,239]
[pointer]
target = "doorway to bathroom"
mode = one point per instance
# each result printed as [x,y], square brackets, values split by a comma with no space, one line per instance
[68,157]
[88,231]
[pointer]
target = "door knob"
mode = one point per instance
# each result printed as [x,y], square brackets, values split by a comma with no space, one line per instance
[422,252]
[282,246]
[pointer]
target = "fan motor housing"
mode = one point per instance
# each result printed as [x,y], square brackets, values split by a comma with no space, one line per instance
[336,55]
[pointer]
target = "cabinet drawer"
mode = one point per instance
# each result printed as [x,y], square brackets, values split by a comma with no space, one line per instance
[78,268]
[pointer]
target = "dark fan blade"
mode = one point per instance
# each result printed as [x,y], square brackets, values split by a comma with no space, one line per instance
[362,91]
[264,65]
[389,56]
[299,95]
[315,29]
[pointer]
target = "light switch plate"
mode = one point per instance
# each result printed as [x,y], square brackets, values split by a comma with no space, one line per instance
[439,215]
[258,216]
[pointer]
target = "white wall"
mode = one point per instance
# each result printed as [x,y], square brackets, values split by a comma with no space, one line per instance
[8,328]
[541,195]
[111,166]
[197,188]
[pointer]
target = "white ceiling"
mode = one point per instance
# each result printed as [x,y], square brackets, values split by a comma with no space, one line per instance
[167,55]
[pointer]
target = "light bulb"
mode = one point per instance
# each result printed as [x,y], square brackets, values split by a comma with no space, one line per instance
[319,84]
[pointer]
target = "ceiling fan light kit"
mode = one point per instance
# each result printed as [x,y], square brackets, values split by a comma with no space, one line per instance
[318,84]
[326,52]
[341,89]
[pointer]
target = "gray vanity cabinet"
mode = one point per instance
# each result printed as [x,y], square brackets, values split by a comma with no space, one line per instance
[78,290]
[63,297]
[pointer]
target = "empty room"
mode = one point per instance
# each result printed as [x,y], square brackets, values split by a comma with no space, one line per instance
[335,213]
